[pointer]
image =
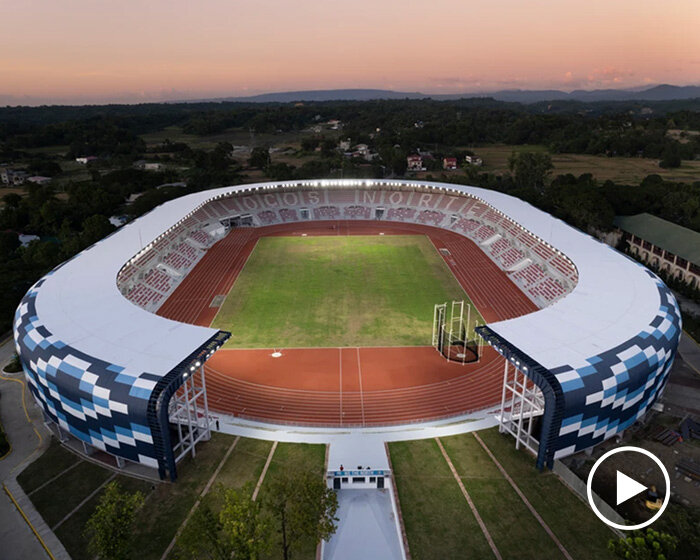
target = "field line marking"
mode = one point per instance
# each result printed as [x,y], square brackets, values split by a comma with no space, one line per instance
[53,478]
[264,471]
[362,395]
[524,499]
[81,504]
[203,493]
[480,521]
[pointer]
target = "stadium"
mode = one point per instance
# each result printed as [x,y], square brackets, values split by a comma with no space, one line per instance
[325,305]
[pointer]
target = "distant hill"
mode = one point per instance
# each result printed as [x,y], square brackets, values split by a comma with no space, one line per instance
[663,92]
[327,95]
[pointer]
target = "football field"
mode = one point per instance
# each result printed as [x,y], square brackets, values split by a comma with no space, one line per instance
[338,291]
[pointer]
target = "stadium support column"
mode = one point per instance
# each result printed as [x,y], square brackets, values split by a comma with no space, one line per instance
[501,422]
[190,411]
[206,403]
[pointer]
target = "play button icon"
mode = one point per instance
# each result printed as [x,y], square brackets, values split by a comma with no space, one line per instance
[627,488]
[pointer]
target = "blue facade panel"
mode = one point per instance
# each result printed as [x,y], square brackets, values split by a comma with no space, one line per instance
[621,383]
[611,392]
[91,399]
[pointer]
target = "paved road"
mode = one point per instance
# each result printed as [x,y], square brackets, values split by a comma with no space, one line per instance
[690,352]
[28,439]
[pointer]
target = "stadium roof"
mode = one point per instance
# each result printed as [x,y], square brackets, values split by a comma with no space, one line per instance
[680,241]
[80,302]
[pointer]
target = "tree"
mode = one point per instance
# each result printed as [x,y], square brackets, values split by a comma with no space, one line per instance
[242,524]
[238,530]
[644,545]
[109,528]
[95,228]
[670,158]
[530,169]
[202,537]
[12,200]
[259,157]
[303,508]
[9,241]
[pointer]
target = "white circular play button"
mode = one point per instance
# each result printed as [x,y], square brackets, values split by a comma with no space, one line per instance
[626,487]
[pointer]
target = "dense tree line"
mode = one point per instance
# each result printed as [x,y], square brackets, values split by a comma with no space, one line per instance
[621,129]
[71,215]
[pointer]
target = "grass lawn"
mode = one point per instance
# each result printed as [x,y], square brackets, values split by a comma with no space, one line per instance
[236,136]
[166,505]
[437,518]
[71,533]
[82,481]
[338,291]
[291,458]
[164,510]
[571,520]
[53,461]
[515,531]
[618,169]
[439,523]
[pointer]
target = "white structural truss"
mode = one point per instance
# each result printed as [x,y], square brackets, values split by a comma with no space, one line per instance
[521,402]
[189,412]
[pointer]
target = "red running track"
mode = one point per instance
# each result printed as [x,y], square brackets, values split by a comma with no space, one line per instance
[348,386]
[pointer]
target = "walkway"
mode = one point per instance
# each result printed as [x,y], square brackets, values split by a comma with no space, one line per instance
[28,437]
[690,352]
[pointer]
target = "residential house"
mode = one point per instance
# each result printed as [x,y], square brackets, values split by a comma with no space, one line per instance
[449,163]
[415,162]
[85,159]
[473,160]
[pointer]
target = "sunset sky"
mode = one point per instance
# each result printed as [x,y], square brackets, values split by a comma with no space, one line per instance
[80,51]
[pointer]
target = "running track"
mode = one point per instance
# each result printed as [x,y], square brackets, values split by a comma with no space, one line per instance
[348,386]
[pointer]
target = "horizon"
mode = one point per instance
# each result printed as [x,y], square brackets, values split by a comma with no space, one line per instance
[172,51]
[27,101]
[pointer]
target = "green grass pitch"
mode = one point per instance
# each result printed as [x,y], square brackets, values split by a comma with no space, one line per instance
[338,291]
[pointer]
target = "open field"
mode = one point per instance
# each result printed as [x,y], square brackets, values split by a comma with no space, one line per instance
[618,169]
[236,136]
[338,291]
[166,505]
[439,522]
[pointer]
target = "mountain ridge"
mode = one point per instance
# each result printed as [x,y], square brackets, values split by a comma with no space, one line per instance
[660,92]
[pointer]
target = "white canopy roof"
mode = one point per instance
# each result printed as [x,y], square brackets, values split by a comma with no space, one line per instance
[81,305]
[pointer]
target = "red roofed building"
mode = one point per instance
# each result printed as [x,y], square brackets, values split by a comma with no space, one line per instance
[415,163]
[449,163]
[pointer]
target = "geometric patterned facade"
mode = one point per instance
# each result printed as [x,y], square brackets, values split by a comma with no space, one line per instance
[591,402]
[125,411]
[105,405]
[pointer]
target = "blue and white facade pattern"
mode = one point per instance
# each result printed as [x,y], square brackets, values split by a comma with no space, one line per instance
[615,388]
[100,403]
[106,405]
[104,369]
[590,402]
